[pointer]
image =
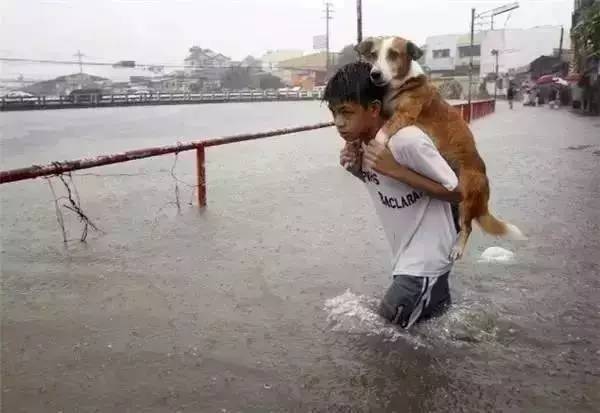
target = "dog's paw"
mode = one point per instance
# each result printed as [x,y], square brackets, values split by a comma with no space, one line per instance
[456,253]
[381,137]
[349,166]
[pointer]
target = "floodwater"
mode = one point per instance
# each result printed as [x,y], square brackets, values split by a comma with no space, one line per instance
[264,300]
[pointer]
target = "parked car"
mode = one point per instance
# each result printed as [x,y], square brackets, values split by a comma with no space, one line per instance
[18,94]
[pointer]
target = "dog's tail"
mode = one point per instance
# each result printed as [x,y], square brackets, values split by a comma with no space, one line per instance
[494,226]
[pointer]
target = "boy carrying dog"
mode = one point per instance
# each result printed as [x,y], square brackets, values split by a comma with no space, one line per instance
[411,186]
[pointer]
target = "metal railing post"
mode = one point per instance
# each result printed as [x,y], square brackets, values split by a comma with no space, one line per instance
[201,176]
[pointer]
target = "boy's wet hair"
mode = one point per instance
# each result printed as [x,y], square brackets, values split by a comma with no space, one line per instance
[352,83]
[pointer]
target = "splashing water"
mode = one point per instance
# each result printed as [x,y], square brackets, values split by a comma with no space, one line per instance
[357,314]
[463,323]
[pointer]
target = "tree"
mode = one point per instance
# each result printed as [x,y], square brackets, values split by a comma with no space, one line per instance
[269,81]
[196,87]
[450,89]
[251,62]
[587,32]
[346,55]
[236,78]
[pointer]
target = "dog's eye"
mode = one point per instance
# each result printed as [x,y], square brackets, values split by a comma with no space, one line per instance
[392,54]
[373,55]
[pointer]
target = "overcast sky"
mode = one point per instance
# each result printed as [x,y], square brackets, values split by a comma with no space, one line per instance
[161,31]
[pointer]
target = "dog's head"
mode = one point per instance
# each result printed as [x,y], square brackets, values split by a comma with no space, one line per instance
[391,57]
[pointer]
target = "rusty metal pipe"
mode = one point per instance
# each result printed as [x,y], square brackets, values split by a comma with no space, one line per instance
[55,168]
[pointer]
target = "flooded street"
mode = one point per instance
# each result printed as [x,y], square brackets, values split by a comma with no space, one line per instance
[263,301]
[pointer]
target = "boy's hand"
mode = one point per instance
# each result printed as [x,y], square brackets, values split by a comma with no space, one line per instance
[377,156]
[349,155]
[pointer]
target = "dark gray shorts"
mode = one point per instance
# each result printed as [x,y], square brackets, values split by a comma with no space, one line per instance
[410,299]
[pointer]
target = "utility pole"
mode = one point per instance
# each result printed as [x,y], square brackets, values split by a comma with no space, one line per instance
[358,21]
[79,55]
[495,52]
[471,59]
[479,17]
[562,30]
[328,10]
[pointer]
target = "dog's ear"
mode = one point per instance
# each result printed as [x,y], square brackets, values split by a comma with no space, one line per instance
[413,51]
[365,46]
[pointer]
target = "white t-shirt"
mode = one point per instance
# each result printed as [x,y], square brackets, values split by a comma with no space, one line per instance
[420,229]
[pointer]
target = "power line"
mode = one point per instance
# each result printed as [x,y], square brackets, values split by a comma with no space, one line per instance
[154,65]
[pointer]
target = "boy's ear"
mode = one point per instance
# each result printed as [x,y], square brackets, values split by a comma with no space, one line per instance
[376,107]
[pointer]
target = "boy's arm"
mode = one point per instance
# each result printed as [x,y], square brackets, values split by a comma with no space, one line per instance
[416,163]
[414,180]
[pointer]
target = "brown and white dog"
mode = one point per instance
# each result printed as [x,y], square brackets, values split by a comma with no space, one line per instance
[412,100]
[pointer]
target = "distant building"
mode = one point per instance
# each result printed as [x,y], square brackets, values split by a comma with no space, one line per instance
[199,59]
[64,85]
[271,60]
[306,71]
[450,54]
[206,67]
[545,65]
[440,52]
[88,96]
[518,47]
[141,80]
[464,52]
[177,82]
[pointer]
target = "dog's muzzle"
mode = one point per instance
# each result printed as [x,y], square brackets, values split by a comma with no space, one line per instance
[376,76]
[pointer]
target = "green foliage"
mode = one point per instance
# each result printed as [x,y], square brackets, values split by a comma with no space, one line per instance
[347,55]
[587,32]
[237,78]
[269,81]
[451,89]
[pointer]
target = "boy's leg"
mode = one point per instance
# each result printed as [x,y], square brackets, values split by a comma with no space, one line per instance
[409,298]
[440,299]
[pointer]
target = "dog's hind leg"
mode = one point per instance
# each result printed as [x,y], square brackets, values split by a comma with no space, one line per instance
[466,227]
[475,190]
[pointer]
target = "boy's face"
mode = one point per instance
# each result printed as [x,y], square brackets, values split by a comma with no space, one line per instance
[353,121]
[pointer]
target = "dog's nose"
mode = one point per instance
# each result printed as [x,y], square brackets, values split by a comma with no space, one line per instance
[376,75]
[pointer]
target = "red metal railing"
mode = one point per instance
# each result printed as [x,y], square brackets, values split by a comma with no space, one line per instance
[55,168]
[479,109]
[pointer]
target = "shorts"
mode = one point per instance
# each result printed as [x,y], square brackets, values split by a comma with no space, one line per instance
[410,299]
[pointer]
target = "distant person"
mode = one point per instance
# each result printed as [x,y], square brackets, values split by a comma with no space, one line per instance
[411,187]
[536,96]
[555,98]
[510,95]
[527,98]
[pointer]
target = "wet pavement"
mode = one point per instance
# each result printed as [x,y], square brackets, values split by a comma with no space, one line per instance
[263,301]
